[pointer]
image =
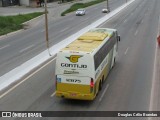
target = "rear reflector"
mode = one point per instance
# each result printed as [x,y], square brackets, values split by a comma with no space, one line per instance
[92,83]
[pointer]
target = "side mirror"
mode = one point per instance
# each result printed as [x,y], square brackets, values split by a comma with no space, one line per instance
[118,38]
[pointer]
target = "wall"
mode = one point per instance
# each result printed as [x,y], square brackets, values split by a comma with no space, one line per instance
[0,3]
[25,2]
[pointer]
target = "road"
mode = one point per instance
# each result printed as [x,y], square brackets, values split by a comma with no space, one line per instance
[17,49]
[129,84]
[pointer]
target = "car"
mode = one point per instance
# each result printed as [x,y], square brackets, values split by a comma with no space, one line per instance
[80,12]
[105,10]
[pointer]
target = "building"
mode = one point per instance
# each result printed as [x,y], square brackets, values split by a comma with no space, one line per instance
[5,3]
[31,3]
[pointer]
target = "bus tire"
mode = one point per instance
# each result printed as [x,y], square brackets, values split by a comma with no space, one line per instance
[100,85]
[114,62]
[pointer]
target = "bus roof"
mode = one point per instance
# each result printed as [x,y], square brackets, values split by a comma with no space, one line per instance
[90,40]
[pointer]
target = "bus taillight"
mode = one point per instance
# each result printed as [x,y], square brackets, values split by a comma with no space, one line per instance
[91,85]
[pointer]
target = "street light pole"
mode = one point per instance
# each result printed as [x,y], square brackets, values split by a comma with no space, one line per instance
[46,25]
[108,5]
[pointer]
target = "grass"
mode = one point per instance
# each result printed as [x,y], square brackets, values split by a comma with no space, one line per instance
[12,23]
[76,6]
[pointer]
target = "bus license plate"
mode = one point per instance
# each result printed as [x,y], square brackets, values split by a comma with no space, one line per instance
[73,94]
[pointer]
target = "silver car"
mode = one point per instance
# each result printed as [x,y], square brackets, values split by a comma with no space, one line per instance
[80,12]
[105,10]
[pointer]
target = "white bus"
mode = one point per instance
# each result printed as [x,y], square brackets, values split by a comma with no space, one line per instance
[83,65]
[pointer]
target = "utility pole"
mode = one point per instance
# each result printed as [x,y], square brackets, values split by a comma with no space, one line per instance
[108,6]
[46,25]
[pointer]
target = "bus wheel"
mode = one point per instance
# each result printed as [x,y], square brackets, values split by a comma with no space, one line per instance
[114,62]
[100,85]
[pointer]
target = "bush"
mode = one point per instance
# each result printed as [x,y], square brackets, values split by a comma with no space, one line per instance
[13,23]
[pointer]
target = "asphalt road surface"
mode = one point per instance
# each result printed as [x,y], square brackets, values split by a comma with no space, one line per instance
[17,49]
[128,86]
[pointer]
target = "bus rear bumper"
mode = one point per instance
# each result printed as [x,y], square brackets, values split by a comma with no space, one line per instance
[77,96]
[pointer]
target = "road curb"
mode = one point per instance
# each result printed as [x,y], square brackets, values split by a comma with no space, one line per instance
[10,34]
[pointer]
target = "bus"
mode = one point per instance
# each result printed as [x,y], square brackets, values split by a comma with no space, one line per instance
[83,65]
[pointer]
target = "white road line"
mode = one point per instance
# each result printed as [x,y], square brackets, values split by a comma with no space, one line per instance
[26,48]
[154,73]
[85,19]
[115,25]
[103,24]
[136,32]
[95,8]
[140,5]
[125,21]
[103,93]
[11,89]
[53,94]
[126,51]
[142,21]
[42,30]
[132,13]
[4,47]
[64,29]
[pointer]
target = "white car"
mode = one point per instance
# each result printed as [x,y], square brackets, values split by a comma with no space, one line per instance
[105,10]
[80,12]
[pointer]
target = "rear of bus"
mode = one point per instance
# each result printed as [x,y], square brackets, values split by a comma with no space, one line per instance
[74,76]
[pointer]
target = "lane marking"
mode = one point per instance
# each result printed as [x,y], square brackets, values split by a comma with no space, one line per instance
[95,8]
[142,21]
[132,13]
[125,20]
[136,32]
[43,30]
[11,89]
[64,29]
[85,19]
[53,94]
[4,47]
[126,51]
[25,49]
[115,25]
[154,72]
[103,93]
